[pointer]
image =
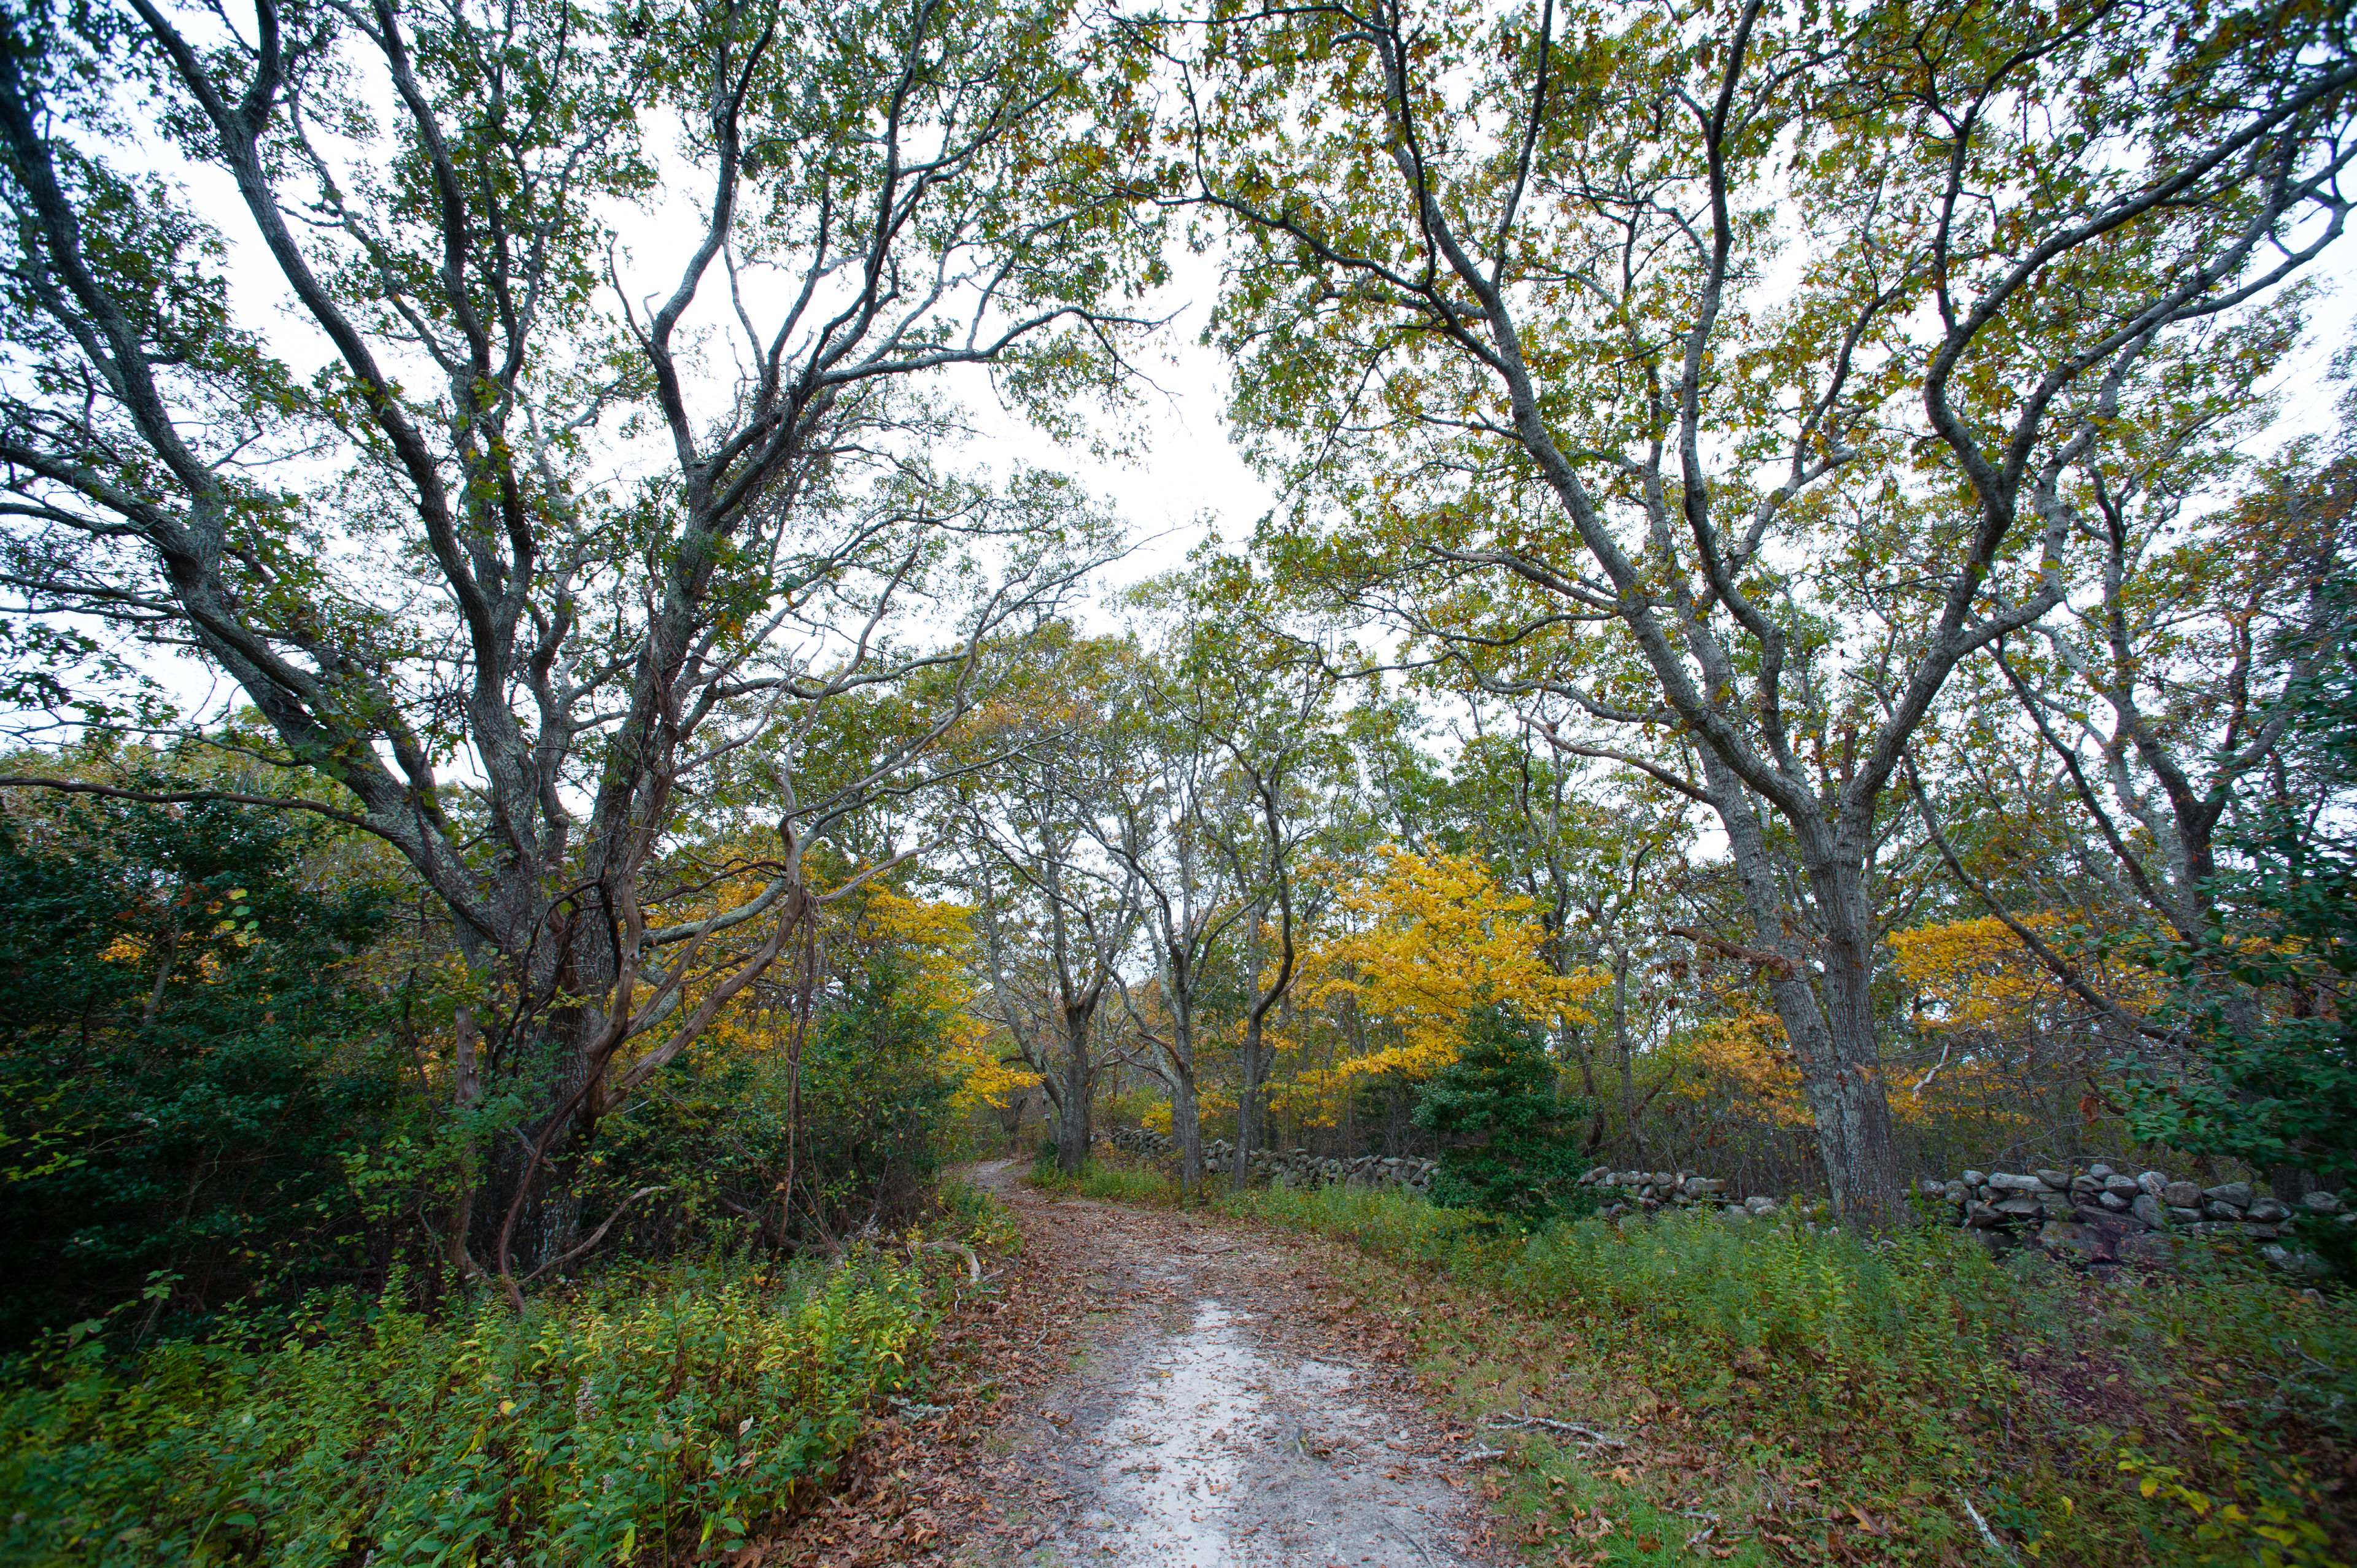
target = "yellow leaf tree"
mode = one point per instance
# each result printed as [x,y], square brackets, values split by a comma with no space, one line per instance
[1419,945]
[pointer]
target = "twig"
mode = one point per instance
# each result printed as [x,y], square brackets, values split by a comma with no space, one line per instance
[1420,1552]
[1988,1534]
[1584,1433]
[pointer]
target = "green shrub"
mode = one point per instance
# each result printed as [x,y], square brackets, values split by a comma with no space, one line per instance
[1510,1153]
[691,1401]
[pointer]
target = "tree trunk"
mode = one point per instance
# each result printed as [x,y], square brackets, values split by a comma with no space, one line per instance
[1073,1126]
[1247,1109]
[1186,1111]
[466,1093]
[1832,1037]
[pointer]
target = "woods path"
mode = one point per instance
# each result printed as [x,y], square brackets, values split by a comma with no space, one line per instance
[1212,1401]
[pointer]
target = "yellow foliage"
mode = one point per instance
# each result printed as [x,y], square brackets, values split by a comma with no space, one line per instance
[934,939]
[1748,1053]
[1422,944]
[1974,974]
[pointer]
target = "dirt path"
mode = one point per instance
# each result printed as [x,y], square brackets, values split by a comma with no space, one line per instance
[1219,1407]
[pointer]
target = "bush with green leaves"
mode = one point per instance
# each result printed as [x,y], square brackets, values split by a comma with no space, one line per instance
[2276,1042]
[194,1077]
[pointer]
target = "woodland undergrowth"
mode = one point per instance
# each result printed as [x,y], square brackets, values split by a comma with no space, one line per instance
[1774,1394]
[656,1414]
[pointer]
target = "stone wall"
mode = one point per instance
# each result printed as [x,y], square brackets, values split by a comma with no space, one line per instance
[2099,1214]
[2106,1216]
[1644,1192]
[1299,1167]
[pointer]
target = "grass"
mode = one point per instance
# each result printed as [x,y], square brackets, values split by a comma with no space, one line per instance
[1117,1179]
[653,1415]
[1790,1396]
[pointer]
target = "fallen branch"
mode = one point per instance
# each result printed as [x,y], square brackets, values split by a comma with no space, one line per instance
[1584,1433]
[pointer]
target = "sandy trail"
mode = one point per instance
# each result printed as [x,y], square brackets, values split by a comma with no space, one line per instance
[1215,1418]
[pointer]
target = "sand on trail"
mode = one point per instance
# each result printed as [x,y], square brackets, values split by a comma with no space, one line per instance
[1213,1418]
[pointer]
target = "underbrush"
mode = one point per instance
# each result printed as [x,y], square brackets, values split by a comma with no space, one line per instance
[1111,1180]
[1815,1395]
[655,1412]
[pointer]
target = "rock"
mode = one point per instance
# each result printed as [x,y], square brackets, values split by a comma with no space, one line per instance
[2306,1264]
[2099,1172]
[2184,1216]
[2087,1215]
[1595,1175]
[2005,1181]
[2098,1243]
[2124,1185]
[1974,1178]
[2265,1211]
[2059,1235]
[2148,1208]
[2059,1180]
[2114,1201]
[1955,1194]
[1982,1216]
[1703,1186]
[2216,1228]
[2022,1206]
[2153,1249]
[2181,1195]
[2322,1202]
[2153,1182]
[2237,1193]
[1761,1205]
[1931,1187]
[2213,1210]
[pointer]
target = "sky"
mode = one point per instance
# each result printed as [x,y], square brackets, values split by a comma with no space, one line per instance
[1188,475]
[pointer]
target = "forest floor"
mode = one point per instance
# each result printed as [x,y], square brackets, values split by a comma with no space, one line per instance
[1146,1389]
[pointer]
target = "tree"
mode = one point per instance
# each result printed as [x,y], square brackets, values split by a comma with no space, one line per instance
[1169,788]
[1720,381]
[195,1054]
[514,569]
[1056,921]
[1511,1156]
[2274,1081]
[1421,948]
[1263,695]
[1598,857]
